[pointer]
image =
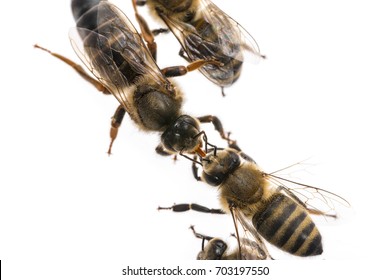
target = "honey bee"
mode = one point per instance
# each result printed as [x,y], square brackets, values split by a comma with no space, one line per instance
[263,204]
[217,249]
[111,48]
[205,32]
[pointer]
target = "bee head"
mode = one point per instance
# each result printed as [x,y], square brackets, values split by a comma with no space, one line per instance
[214,250]
[218,166]
[183,136]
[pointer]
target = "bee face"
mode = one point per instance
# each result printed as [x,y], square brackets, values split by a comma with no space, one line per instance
[214,250]
[182,135]
[218,167]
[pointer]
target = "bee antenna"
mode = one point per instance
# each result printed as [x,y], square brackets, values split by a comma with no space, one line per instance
[191,159]
[215,148]
[203,239]
[207,143]
[201,133]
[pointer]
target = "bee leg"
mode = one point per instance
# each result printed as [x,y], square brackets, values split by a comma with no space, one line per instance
[140,2]
[148,36]
[223,91]
[155,32]
[233,144]
[175,71]
[161,151]
[217,125]
[158,31]
[199,235]
[183,55]
[146,33]
[116,121]
[195,170]
[78,69]
[192,206]
[246,157]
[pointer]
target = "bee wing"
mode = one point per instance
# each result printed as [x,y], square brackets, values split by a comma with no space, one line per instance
[195,46]
[114,52]
[228,34]
[100,63]
[229,31]
[253,240]
[316,200]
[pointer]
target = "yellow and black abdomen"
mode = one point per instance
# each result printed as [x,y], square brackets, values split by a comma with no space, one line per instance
[287,225]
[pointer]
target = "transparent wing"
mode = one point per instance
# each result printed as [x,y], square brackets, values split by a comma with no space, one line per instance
[100,63]
[195,46]
[317,201]
[220,35]
[114,52]
[252,243]
[230,32]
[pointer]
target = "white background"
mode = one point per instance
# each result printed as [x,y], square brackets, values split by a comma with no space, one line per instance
[69,210]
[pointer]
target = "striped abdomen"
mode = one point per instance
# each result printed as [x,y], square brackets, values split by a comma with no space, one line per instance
[287,225]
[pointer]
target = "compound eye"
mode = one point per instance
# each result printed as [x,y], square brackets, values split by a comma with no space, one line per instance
[217,169]
[213,180]
[234,161]
[219,247]
[188,121]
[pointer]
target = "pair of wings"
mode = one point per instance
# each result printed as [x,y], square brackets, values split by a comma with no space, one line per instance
[224,39]
[315,200]
[252,245]
[228,31]
[114,52]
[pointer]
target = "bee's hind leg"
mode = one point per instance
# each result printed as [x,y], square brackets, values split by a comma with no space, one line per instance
[78,69]
[159,31]
[116,121]
[146,33]
[183,55]
[217,125]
